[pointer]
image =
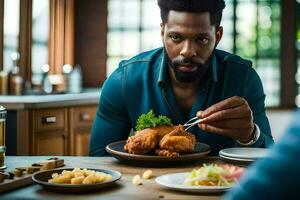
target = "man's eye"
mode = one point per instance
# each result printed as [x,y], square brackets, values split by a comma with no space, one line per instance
[201,41]
[175,38]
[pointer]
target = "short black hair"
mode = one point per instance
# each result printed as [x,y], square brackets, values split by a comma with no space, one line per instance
[214,7]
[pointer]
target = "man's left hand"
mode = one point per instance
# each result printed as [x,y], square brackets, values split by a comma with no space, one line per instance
[231,117]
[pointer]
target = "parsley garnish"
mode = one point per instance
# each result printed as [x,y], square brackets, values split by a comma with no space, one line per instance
[149,120]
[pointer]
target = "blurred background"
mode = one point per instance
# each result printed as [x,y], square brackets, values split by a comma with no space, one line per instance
[97,34]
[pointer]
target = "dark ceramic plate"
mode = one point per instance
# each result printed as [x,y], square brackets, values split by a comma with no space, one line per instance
[43,177]
[116,149]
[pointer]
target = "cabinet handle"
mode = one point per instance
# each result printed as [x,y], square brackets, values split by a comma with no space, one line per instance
[49,120]
[85,117]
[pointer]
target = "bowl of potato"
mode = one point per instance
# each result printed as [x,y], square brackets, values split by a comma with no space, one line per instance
[76,179]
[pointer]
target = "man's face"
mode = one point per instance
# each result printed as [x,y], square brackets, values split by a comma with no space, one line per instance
[189,40]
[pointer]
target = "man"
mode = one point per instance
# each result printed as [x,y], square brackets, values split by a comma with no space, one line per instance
[277,176]
[186,77]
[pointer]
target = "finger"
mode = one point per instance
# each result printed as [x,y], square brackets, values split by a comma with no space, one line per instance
[212,129]
[237,134]
[233,124]
[199,114]
[223,105]
[240,112]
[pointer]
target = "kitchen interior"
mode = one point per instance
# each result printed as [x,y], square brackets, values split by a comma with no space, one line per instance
[56,54]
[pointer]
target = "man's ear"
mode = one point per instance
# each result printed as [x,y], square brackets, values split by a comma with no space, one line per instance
[219,34]
[162,29]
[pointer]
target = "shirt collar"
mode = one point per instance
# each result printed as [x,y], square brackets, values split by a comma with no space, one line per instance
[163,71]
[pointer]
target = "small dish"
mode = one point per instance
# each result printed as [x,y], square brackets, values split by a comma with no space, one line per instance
[244,153]
[43,177]
[175,182]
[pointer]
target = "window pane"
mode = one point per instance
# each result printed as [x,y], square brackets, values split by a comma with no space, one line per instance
[133,27]
[269,74]
[11,31]
[131,13]
[151,40]
[226,42]
[40,37]
[114,41]
[151,15]
[258,39]
[246,29]
[131,43]
[114,17]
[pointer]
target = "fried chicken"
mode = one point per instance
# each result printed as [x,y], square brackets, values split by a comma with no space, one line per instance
[178,141]
[163,152]
[163,130]
[167,140]
[142,142]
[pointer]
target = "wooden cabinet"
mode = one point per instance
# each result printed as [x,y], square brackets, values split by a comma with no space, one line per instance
[49,131]
[81,121]
[60,131]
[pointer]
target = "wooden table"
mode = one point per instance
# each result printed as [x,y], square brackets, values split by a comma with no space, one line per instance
[123,189]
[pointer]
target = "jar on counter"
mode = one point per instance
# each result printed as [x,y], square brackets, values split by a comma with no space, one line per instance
[3,83]
[3,114]
[2,157]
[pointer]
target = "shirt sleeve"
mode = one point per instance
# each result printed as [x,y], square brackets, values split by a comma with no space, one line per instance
[111,122]
[277,176]
[256,100]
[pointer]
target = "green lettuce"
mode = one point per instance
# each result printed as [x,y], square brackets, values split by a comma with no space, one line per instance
[149,120]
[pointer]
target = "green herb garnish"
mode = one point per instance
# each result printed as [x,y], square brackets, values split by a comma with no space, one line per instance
[149,120]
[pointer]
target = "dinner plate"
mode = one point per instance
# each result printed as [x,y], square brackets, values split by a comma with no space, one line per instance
[175,182]
[43,177]
[244,153]
[116,149]
[236,159]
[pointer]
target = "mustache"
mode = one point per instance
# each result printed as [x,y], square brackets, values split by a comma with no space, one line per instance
[187,61]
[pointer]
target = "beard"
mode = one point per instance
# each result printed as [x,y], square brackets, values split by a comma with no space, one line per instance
[190,76]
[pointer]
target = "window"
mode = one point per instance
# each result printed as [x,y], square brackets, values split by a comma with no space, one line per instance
[40,37]
[11,31]
[255,35]
[133,26]
[251,30]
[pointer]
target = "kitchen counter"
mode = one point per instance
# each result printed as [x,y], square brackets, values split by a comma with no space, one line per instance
[87,97]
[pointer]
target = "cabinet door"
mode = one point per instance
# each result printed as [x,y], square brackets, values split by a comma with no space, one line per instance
[81,120]
[50,132]
[51,143]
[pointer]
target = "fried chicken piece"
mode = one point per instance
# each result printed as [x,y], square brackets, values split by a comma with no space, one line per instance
[142,142]
[168,153]
[178,141]
[163,130]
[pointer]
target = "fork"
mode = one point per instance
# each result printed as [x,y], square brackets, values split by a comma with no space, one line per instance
[192,122]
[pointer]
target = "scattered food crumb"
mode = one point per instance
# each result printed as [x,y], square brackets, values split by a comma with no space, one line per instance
[137,180]
[147,174]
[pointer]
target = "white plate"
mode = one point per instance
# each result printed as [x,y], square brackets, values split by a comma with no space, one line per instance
[237,159]
[247,153]
[175,182]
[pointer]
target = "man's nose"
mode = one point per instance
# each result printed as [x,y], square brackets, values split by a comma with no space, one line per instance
[188,50]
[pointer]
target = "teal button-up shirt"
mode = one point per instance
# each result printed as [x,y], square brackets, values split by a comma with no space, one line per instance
[142,83]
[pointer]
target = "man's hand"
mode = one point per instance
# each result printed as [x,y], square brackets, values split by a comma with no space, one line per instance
[231,117]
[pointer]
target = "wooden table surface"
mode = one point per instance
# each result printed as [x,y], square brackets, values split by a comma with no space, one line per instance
[123,189]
